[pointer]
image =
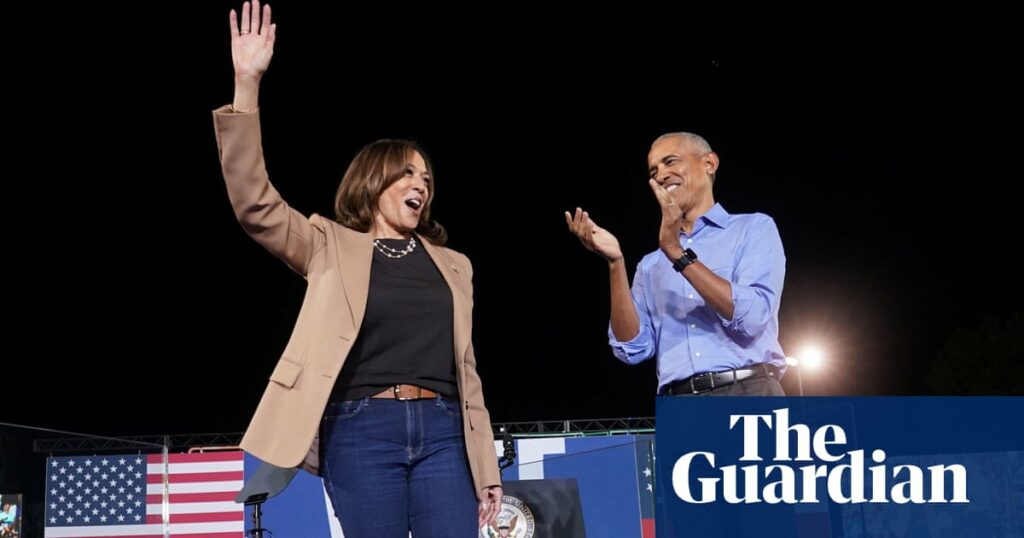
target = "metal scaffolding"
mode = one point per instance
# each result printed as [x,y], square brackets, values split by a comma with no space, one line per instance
[220,441]
[576,428]
[175,443]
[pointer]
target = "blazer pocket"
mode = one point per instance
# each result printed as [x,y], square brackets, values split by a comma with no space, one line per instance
[286,373]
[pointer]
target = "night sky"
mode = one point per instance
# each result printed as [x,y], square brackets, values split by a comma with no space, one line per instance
[137,305]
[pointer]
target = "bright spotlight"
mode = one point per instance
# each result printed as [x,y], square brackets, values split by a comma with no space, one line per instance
[812,357]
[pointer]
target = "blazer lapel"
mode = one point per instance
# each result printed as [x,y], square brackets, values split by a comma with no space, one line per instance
[461,298]
[355,254]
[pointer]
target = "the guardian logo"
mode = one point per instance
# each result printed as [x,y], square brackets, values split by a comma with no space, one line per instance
[787,482]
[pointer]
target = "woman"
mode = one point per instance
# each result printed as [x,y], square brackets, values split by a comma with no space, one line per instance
[377,390]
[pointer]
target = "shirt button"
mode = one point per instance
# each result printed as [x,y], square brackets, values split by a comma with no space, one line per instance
[697,353]
[690,296]
[689,240]
[693,325]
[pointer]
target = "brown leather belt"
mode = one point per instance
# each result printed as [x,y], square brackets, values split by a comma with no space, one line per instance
[405,392]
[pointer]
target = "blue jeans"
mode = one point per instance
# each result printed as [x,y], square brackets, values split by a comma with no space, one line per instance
[392,466]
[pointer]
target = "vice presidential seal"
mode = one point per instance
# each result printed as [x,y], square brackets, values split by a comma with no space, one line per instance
[515,520]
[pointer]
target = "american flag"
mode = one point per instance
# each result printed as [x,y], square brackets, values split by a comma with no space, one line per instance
[122,496]
[644,450]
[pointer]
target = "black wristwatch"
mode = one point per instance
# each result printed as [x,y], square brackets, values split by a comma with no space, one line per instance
[688,257]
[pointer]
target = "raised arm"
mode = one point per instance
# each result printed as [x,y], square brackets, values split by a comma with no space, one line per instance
[259,208]
[625,322]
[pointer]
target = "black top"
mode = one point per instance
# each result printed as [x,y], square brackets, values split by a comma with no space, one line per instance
[406,335]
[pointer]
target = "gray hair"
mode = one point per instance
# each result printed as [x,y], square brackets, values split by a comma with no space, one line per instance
[696,140]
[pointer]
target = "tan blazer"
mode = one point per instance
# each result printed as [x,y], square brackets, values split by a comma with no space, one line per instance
[336,264]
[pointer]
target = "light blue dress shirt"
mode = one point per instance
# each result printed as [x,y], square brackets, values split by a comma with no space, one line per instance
[682,330]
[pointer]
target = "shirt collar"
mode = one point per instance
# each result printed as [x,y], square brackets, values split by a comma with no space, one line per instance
[717,215]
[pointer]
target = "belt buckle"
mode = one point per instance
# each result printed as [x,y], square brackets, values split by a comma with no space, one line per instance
[396,390]
[702,382]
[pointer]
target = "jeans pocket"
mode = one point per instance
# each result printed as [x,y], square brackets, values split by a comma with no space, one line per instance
[345,409]
[449,407]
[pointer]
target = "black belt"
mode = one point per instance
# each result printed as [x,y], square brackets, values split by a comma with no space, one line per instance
[706,381]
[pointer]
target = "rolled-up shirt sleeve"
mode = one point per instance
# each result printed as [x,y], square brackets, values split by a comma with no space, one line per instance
[641,347]
[757,281]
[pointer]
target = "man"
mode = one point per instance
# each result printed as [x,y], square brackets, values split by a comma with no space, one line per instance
[707,303]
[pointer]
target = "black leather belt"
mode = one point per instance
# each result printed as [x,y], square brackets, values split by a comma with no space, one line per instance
[706,381]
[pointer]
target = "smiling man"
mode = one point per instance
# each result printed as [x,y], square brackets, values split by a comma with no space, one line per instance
[706,304]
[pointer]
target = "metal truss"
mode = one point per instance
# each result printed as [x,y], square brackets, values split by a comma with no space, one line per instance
[140,443]
[576,428]
[228,441]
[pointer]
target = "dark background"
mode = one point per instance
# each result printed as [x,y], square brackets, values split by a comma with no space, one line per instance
[137,305]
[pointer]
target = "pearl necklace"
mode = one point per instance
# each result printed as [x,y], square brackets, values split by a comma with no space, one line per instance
[394,252]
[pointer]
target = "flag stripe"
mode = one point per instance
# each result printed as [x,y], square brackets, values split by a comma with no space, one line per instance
[647,528]
[199,535]
[194,530]
[195,508]
[193,497]
[192,518]
[197,457]
[142,531]
[195,477]
[199,518]
[195,487]
[199,467]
